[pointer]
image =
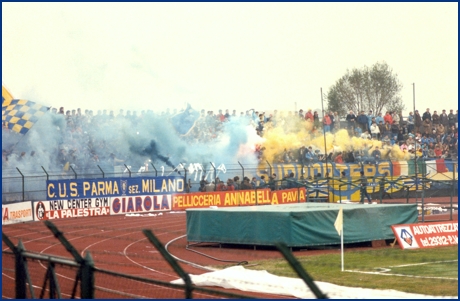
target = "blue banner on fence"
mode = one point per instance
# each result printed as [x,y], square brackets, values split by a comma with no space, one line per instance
[109,187]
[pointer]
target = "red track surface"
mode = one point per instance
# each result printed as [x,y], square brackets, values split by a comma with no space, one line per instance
[117,243]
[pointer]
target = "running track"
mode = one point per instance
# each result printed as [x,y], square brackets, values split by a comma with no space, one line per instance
[117,243]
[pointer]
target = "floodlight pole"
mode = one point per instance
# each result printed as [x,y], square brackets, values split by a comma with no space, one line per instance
[325,148]
[415,144]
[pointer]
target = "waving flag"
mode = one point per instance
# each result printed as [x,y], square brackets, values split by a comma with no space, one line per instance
[20,115]
[318,189]
[185,120]
[339,222]
[407,168]
[338,225]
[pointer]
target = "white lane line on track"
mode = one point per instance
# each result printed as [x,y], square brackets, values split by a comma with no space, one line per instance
[100,287]
[141,265]
[172,222]
[42,237]
[43,250]
[32,240]
[37,287]
[185,261]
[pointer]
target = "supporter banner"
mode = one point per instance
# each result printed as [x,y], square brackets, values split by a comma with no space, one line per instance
[17,213]
[46,210]
[288,196]
[426,235]
[140,204]
[333,169]
[221,199]
[394,168]
[110,187]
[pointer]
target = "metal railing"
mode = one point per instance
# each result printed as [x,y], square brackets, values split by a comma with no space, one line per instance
[30,185]
[88,277]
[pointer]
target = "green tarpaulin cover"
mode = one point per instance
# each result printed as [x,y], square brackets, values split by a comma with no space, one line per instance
[296,225]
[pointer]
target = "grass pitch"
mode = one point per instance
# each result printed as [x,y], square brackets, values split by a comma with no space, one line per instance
[422,271]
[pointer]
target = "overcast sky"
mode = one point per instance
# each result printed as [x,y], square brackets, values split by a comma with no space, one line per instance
[223,55]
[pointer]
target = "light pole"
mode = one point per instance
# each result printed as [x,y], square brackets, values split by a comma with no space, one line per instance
[325,148]
[415,146]
[324,132]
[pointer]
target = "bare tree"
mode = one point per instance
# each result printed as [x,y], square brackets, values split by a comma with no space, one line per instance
[376,88]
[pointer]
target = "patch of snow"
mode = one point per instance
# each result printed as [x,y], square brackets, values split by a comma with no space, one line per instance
[239,278]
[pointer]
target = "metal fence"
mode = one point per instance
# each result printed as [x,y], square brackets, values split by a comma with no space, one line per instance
[30,185]
[38,276]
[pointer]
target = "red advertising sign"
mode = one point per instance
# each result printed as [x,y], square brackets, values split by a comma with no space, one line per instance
[238,198]
[426,235]
[221,199]
[288,196]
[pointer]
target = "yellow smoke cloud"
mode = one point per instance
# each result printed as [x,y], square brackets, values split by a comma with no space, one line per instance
[295,132]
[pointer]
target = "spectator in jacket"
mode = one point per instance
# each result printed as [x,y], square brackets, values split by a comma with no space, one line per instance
[221,186]
[309,115]
[326,123]
[230,185]
[427,114]
[337,125]
[418,121]
[254,182]
[452,118]
[351,118]
[395,128]
[427,126]
[431,153]
[362,121]
[339,158]
[435,118]
[366,135]
[387,129]
[370,118]
[401,120]
[246,185]
[388,118]
[262,182]
[444,119]
[400,135]
[410,122]
[376,155]
[301,114]
[395,118]
[316,119]
[375,131]
[331,117]
[440,129]
[379,118]
[203,184]
[403,146]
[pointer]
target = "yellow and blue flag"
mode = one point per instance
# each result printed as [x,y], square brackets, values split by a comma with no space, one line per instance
[20,115]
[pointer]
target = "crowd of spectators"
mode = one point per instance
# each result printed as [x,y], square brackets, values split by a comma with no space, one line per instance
[82,146]
[269,181]
[427,136]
